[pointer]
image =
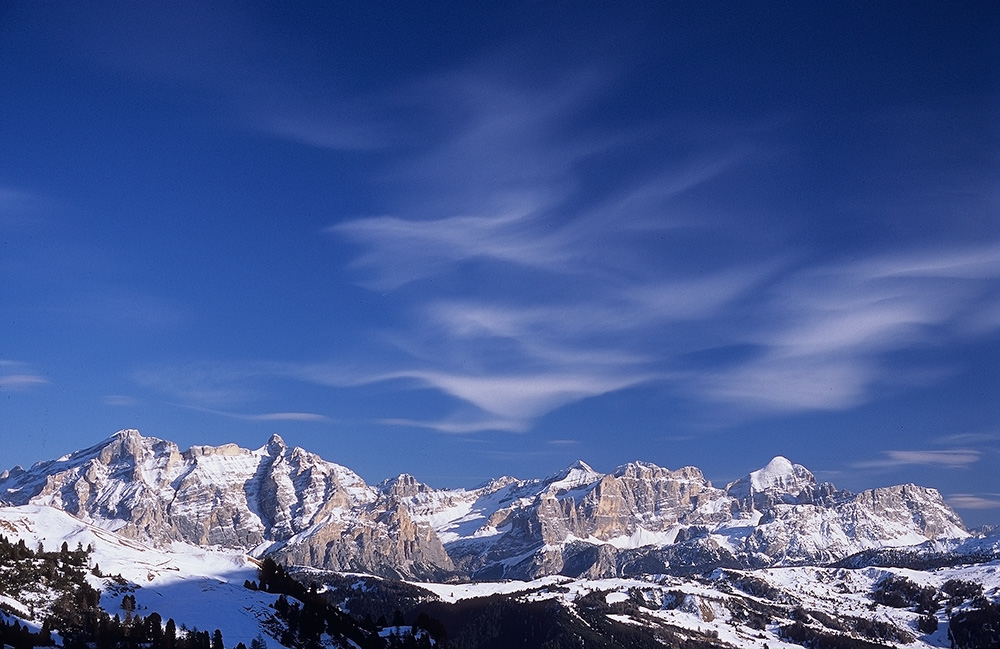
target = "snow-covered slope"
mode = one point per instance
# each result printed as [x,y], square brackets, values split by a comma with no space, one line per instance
[197,587]
[772,607]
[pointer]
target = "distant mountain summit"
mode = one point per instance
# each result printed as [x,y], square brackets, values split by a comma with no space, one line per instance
[641,518]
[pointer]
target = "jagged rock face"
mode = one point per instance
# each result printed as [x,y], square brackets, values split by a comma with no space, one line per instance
[899,511]
[644,517]
[641,495]
[402,486]
[578,522]
[147,488]
[386,542]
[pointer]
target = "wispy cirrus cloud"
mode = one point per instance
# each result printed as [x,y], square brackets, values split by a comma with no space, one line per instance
[974,501]
[522,290]
[491,198]
[501,401]
[266,416]
[120,400]
[17,376]
[458,425]
[949,459]
[968,439]
[401,251]
[612,308]
[592,298]
[826,331]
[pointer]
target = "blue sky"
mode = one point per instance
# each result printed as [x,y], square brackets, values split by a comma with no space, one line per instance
[474,239]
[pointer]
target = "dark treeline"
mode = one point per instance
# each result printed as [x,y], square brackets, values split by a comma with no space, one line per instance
[307,615]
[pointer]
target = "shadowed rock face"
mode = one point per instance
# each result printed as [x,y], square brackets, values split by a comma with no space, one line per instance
[383,542]
[577,522]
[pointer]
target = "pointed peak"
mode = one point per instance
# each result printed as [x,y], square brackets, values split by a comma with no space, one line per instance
[127,433]
[574,476]
[778,464]
[780,473]
[275,445]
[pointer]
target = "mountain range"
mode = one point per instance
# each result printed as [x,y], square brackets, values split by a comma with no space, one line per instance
[640,519]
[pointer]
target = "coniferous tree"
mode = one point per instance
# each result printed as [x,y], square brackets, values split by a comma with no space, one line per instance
[154,630]
[170,635]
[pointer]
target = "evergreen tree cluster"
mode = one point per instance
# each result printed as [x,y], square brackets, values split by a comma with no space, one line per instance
[23,569]
[76,614]
[21,637]
[307,615]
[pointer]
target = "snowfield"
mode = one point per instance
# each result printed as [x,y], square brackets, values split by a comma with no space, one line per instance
[199,588]
[706,606]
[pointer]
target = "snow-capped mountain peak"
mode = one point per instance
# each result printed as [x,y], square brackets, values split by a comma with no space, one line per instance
[275,445]
[782,475]
[578,521]
[577,475]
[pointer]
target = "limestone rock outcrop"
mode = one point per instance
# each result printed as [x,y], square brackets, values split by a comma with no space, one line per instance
[288,498]
[578,522]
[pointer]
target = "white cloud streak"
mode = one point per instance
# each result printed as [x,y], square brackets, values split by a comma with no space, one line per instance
[16,376]
[120,401]
[974,501]
[949,459]
[402,251]
[828,329]
[10,382]
[460,427]
[266,416]
[502,401]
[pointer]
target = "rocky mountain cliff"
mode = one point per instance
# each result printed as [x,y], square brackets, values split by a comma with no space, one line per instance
[641,518]
[274,499]
[647,519]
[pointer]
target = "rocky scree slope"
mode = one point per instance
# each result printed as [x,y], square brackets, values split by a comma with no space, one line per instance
[640,519]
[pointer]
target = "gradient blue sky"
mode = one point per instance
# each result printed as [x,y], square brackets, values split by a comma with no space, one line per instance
[471,239]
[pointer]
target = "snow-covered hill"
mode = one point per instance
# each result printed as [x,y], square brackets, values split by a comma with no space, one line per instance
[200,588]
